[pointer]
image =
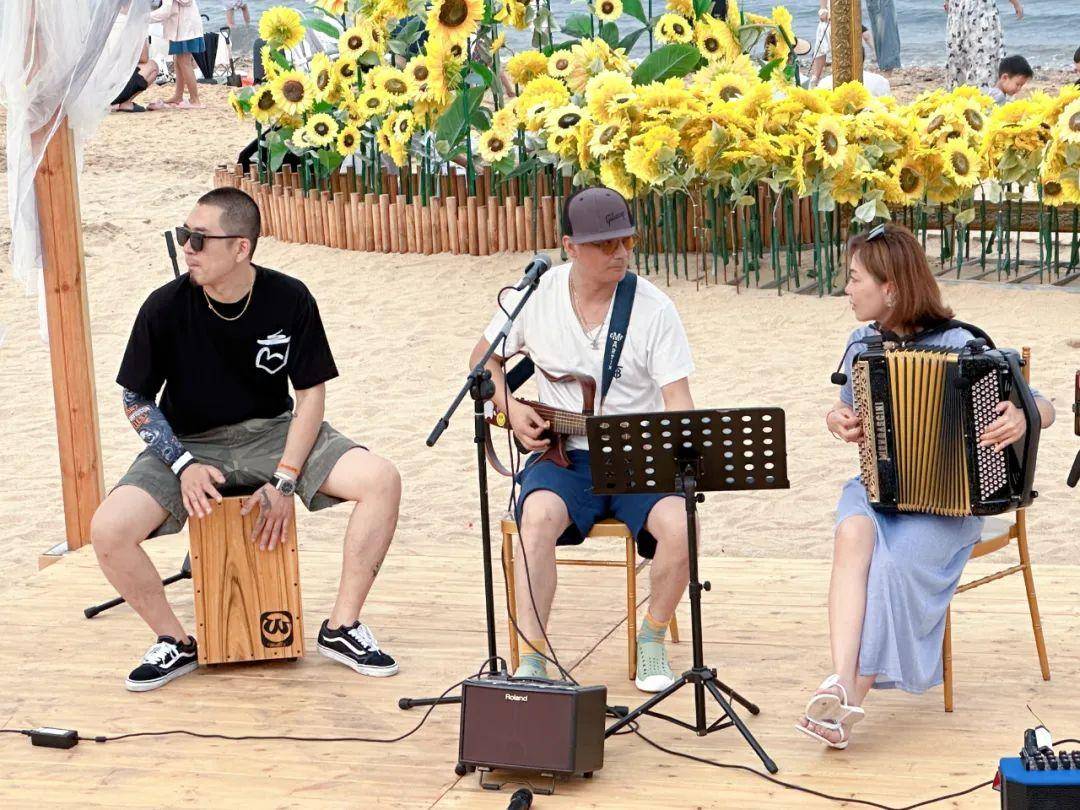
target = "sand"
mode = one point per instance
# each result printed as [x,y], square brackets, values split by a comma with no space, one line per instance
[401,328]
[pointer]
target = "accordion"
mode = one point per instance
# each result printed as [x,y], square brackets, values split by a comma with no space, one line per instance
[923,410]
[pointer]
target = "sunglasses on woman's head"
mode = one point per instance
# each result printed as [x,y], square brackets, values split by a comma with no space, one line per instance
[609,246]
[198,238]
[876,232]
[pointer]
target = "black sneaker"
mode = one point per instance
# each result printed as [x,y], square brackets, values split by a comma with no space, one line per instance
[163,662]
[357,648]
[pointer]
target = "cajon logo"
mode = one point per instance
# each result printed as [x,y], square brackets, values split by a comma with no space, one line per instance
[277,628]
[516,698]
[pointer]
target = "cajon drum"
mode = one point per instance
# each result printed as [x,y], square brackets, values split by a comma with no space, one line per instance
[247,601]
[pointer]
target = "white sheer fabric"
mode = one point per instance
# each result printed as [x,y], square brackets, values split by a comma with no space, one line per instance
[58,58]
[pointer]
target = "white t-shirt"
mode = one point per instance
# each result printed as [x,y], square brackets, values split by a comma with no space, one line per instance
[655,352]
[877,84]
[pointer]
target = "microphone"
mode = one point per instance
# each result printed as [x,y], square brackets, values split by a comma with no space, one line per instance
[170,245]
[521,800]
[539,265]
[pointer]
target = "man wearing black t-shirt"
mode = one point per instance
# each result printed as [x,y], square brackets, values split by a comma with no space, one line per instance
[225,340]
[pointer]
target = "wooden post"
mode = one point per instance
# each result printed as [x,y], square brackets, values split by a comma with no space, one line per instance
[70,349]
[846,36]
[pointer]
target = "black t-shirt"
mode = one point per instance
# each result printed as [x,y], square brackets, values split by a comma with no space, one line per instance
[219,372]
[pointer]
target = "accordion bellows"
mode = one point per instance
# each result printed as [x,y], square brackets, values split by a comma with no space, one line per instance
[923,410]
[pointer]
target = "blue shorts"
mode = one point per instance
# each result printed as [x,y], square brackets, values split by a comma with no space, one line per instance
[194,45]
[574,485]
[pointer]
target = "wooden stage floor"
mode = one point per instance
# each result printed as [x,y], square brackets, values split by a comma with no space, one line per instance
[765,631]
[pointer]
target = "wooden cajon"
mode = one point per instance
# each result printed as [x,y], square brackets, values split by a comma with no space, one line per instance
[247,601]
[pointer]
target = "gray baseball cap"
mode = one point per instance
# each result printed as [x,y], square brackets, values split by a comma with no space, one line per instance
[598,213]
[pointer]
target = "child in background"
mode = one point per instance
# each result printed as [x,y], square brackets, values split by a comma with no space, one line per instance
[182,25]
[230,12]
[1013,73]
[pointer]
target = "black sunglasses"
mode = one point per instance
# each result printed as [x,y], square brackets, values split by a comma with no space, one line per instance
[198,239]
[873,234]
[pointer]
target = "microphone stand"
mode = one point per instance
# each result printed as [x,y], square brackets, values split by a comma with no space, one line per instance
[479,386]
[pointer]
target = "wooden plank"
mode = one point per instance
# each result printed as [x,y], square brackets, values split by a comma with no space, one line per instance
[70,349]
[247,601]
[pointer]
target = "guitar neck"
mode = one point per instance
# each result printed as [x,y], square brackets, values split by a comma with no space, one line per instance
[567,423]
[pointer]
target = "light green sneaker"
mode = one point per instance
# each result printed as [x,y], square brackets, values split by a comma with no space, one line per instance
[532,666]
[653,670]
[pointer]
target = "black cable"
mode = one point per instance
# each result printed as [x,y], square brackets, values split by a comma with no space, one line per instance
[102,738]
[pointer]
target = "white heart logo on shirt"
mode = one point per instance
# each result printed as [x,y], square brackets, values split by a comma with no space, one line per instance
[270,358]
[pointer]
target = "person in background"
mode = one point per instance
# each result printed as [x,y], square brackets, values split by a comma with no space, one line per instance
[231,7]
[1076,64]
[822,47]
[974,41]
[183,27]
[1013,73]
[145,74]
[886,34]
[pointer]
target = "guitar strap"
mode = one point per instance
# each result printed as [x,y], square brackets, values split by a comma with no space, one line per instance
[616,338]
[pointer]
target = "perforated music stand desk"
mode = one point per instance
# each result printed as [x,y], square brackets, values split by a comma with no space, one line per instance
[687,453]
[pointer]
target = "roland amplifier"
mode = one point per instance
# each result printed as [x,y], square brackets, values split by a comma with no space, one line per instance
[554,728]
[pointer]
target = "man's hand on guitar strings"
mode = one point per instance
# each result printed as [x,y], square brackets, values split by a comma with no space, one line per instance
[528,426]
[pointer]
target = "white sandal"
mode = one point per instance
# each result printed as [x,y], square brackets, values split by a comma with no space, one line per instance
[828,706]
[809,732]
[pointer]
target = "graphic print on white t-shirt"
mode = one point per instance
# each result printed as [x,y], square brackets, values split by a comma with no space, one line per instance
[271,356]
[655,353]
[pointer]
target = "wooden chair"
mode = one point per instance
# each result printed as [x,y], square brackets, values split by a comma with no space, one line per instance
[997,534]
[247,601]
[605,528]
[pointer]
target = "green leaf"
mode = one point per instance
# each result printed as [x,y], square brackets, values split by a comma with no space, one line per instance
[398,47]
[484,72]
[524,167]
[329,160]
[966,217]
[672,60]
[480,120]
[578,25]
[548,50]
[634,9]
[453,123]
[609,32]
[866,212]
[630,40]
[504,166]
[744,200]
[702,7]
[767,70]
[323,27]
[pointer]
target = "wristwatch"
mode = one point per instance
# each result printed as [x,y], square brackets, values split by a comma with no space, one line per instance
[284,485]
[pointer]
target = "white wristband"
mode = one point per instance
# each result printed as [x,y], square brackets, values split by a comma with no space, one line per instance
[180,463]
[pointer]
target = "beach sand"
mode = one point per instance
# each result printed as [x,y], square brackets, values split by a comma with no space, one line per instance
[401,328]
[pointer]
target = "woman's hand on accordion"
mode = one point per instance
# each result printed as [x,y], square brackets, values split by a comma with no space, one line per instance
[1009,427]
[844,423]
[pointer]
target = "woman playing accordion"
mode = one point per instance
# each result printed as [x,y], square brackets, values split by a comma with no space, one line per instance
[893,572]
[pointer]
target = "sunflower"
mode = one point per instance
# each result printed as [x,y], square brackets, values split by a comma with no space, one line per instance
[785,36]
[344,71]
[264,106]
[320,130]
[355,42]
[237,107]
[498,43]
[293,91]
[850,97]
[1053,193]
[427,82]
[391,144]
[281,27]
[525,66]
[321,75]
[514,13]
[592,56]
[495,144]
[960,164]
[559,64]
[335,7]
[564,118]
[683,7]
[607,138]
[373,102]
[454,20]
[715,40]
[608,10]
[505,119]
[395,84]
[912,181]
[1068,126]
[389,10]
[673,28]
[402,123]
[269,65]
[613,174]
[830,142]
[608,94]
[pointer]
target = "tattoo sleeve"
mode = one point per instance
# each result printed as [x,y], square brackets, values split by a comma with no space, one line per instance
[154,429]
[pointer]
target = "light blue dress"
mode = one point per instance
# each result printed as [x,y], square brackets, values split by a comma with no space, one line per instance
[916,566]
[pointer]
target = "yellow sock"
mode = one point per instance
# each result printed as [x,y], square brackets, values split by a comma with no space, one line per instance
[651,629]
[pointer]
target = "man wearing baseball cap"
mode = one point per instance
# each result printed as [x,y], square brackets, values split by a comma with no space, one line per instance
[591,319]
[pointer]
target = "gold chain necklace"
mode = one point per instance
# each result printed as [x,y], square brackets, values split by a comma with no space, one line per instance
[594,340]
[250,295]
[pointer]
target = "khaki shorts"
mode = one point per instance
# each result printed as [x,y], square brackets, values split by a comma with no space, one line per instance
[247,454]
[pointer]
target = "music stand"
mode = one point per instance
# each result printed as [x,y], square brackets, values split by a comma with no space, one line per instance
[687,453]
